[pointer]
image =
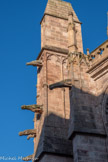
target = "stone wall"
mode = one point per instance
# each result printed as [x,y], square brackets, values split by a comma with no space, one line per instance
[89,148]
[89,99]
[54,121]
[54,32]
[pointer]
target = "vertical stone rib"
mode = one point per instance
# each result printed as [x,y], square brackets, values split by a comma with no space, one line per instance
[71,34]
[45,85]
[71,44]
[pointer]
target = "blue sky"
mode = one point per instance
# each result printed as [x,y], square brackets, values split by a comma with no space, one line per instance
[20,43]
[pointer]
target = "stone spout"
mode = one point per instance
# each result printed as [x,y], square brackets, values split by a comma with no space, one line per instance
[31,136]
[28,132]
[28,158]
[35,63]
[65,83]
[34,108]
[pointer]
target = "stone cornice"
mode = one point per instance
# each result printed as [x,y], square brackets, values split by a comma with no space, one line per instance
[54,49]
[61,17]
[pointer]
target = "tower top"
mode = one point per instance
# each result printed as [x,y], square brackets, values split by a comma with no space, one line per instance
[54,26]
[59,8]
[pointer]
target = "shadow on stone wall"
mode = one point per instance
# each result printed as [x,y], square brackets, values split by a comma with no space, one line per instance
[88,116]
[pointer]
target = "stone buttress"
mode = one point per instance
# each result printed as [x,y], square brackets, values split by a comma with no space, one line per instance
[52,126]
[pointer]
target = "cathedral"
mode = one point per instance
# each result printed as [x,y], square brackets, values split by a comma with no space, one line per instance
[71,110]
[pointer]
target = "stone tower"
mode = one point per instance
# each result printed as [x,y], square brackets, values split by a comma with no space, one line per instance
[69,121]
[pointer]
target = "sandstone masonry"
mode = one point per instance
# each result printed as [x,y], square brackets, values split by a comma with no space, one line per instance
[71,114]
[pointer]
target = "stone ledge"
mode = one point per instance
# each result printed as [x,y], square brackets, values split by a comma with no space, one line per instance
[54,49]
[57,16]
[91,132]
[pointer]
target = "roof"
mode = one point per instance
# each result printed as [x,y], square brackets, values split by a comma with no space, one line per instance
[59,8]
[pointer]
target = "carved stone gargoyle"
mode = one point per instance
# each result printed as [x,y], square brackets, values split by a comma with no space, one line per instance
[28,132]
[28,158]
[35,63]
[31,136]
[34,108]
[62,84]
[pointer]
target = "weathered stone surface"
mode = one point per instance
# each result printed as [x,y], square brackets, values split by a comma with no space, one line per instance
[57,145]
[89,148]
[87,116]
